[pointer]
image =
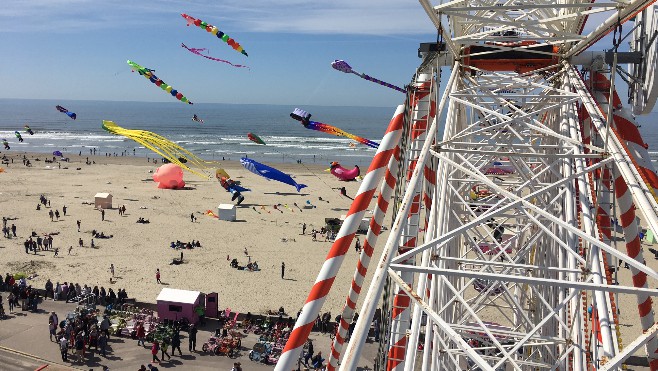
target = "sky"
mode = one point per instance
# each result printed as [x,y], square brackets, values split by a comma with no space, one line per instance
[77,49]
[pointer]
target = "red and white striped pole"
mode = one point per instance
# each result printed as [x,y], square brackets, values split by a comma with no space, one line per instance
[385,193]
[628,132]
[334,259]
[424,109]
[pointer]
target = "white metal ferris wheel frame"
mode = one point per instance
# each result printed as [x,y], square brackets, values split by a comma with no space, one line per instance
[547,209]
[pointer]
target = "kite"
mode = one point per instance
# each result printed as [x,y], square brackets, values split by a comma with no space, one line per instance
[148,74]
[18,135]
[198,51]
[255,138]
[6,144]
[158,144]
[215,31]
[342,66]
[28,130]
[270,173]
[197,119]
[343,173]
[64,110]
[232,187]
[57,153]
[304,118]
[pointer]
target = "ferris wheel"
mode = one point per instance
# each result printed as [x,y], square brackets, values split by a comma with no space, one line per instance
[523,196]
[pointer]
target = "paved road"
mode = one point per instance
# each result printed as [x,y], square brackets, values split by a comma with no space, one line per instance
[15,361]
[28,333]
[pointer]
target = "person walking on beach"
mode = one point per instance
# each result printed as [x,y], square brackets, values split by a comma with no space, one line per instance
[64,348]
[357,245]
[175,343]
[70,248]
[157,275]
[283,269]
[13,229]
[78,222]
[64,210]
[304,228]
[154,351]
[112,269]
[51,214]
[192,338]
[192,217]
[102,215]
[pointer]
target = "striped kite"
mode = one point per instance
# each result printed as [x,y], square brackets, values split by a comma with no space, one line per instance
[304,117]
[148,74]
[215,31]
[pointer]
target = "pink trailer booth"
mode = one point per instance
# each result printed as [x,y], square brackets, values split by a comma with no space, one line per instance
[212,305]
[175,304]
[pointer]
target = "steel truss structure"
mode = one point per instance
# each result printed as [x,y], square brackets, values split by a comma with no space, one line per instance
[508,180]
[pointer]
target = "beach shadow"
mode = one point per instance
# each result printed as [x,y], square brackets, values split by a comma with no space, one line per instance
[170,363]
[186,189]
[164,283]
[290,279]
[338,209]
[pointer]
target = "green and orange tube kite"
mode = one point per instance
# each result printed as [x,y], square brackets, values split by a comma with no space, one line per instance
[215,31]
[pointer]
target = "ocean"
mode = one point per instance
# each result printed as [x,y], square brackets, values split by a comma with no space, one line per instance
[223,135]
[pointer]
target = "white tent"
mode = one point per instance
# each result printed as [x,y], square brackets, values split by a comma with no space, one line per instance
[103,201]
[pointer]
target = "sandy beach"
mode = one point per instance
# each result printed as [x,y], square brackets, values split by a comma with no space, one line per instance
[271,236]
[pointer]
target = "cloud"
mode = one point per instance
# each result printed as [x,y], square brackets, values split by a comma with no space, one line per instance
[386,17]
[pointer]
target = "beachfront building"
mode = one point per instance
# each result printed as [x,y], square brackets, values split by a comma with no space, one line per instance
[176,304]
[103,200]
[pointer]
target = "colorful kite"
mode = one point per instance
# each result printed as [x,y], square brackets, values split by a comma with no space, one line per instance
[269,173]
[304,117]
[342,66]
[18,135]
[234,188]
[198,51]
[64,110]
[215,31]
[28,130]
[6,144]
[255,138]
[196,118]
[160,145]
[148,74]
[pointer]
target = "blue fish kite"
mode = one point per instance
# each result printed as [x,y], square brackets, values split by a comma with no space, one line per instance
[270,173]
[67,112]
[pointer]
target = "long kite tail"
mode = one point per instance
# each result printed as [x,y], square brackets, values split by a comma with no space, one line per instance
[215,31]
[342,66]
[380,82]
[198,51]
[314,125]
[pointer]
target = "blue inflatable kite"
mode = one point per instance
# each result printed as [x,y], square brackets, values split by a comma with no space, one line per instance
[67,112]
[270,173]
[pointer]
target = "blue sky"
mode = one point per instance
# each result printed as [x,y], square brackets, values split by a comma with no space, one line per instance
[77,49]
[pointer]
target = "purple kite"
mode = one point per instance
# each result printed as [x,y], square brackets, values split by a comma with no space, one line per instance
[198,51]
[342,66]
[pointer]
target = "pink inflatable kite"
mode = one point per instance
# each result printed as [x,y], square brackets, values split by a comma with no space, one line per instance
[170,176]
[344,174]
